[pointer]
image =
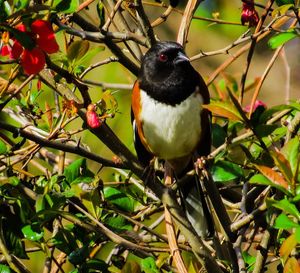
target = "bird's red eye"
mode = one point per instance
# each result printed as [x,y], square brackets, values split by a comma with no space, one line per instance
[163,57]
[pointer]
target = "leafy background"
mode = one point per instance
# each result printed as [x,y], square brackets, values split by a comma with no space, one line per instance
[57,213]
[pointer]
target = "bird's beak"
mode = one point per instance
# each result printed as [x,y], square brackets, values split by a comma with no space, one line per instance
[181,58]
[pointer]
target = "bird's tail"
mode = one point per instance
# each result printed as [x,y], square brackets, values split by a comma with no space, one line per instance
[196,208]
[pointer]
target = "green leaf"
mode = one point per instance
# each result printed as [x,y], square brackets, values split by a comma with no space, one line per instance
[79,255]
[287,207]
[276,135]
[40,203]
[4,269]
[83,179]
[34,95]
[249,260]
[3,148]
[78,70]
[218,135]
[77,169]
[13,180]
[223,171]
[118,222]
[268,113]
[287,247]
[32,232]
[263,130]
[283,165]
[14,237]
[131,267]
[86,59]
[238,107]
[281,10]
[74,170]
[224,109]
[55,200]
[5,10]
[281,39]
[21,4]
[284,2]
[95,265]
[291,265]
[65,241]
[282,221]
[41,182]
[262,180]
[148,265]
[276,179]
[77,50]
[66,6]
[119,199]
[295,105]
[101,13]
[291,151]
[297,234]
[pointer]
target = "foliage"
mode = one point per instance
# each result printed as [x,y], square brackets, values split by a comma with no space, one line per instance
[72,195]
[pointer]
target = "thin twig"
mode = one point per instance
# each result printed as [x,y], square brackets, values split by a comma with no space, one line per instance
[123,59]
[95,65]
[16,92]
[186,20]
[108,85]
[170,230]
[288,76]
[162,18]
[248,218]
[233,57]
[112,15]
[262,252]
[263,77]
[251,50]
[123,25]
[144,21]
[144,251]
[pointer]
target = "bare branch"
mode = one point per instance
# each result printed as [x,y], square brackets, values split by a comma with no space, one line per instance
[186,20]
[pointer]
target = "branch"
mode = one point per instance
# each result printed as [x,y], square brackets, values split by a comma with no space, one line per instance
[144,21]
[237,140]
[142,250]
[162,18]
[242,50]
[170,230]
[122,24]
[169,200]
[262,78]
[15,91]
[123,59]
[216,200]
[252,47]
[59,145]
[104,133]
[262,252]
[70,78]
[103,62]
[248,218]
[186,21]
[98,37]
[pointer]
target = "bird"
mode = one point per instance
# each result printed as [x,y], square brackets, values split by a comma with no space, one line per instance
[170,122]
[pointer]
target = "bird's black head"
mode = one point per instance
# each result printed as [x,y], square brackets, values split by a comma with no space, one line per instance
[162,60]
[166,73]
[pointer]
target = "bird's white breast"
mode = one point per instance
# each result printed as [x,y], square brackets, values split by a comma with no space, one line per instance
[171,131]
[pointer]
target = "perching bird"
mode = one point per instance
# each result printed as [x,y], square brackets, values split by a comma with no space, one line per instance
[169,120]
